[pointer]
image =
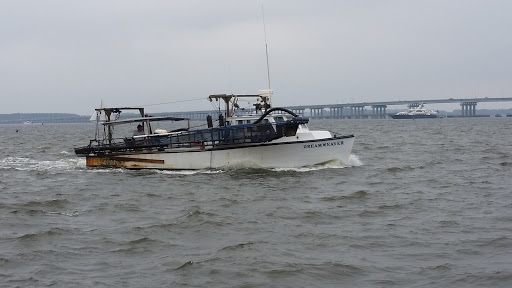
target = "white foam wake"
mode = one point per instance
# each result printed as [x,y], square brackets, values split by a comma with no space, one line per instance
[26,164]
[353,160]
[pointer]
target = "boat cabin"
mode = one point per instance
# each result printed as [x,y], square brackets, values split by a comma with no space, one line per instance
[236,130]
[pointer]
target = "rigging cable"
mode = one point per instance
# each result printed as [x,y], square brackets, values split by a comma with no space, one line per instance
[172,102]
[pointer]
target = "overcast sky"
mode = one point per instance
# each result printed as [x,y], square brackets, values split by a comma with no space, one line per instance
[68,56]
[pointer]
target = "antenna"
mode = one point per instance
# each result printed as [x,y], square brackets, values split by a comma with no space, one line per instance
[266,46]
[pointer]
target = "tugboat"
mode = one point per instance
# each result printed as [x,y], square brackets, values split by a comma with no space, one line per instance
[416,113]
[268,138]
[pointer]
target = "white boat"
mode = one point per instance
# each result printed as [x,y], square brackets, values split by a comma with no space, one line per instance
[27,122]
[416,113]
[99,114]
[268,138]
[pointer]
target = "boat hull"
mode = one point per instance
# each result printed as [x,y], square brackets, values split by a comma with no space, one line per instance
[414,116]
[263,155]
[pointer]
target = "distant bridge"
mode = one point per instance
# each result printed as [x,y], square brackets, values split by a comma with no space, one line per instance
[357,110]
[337,111]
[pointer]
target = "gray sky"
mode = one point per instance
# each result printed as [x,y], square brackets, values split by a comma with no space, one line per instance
[67,56]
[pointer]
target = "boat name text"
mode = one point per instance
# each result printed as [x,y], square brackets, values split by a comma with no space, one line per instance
[328,144]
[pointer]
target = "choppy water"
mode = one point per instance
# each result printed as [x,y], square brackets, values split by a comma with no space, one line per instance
[423,203]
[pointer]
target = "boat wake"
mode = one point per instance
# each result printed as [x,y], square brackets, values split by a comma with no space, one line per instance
[28,164]
[69,164]
[352,161]
[190,172]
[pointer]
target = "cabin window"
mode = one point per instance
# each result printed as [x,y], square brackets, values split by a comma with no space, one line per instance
[248,121]
[279,119]
[239,122]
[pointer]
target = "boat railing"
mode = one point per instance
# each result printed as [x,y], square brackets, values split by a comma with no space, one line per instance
[209,138]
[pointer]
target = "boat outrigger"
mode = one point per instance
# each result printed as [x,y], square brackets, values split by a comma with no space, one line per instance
[268,138]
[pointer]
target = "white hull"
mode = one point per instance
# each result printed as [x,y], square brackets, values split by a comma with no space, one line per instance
[265,155]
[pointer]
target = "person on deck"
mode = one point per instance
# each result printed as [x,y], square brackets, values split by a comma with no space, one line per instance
[139,131]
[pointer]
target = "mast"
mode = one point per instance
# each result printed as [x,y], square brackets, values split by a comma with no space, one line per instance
[266,46]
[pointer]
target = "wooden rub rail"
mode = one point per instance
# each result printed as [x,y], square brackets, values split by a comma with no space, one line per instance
[94,161]
[128,159]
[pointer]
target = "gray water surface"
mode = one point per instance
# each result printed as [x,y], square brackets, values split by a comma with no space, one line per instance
[422,203]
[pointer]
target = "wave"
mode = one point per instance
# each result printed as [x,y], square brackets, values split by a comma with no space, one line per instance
[448,223]
[443,268]
[500,242]
[54,203]
[482,279]
[358,195]
[192,219]
[42,234]
[69,214]
[369,213]
[128,207]
[390,206]
[33,212]
[185,265]
[236,246]
[318,271]
[48,207]
[140,245]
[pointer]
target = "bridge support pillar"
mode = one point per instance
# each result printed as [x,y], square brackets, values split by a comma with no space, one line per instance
[299,112]
[468,109]
[357,112]
[336,112]
[379,111]
[316,112]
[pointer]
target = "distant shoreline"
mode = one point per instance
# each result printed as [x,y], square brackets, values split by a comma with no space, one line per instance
[38,118]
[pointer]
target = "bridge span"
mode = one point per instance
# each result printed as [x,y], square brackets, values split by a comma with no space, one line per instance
[359,110]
